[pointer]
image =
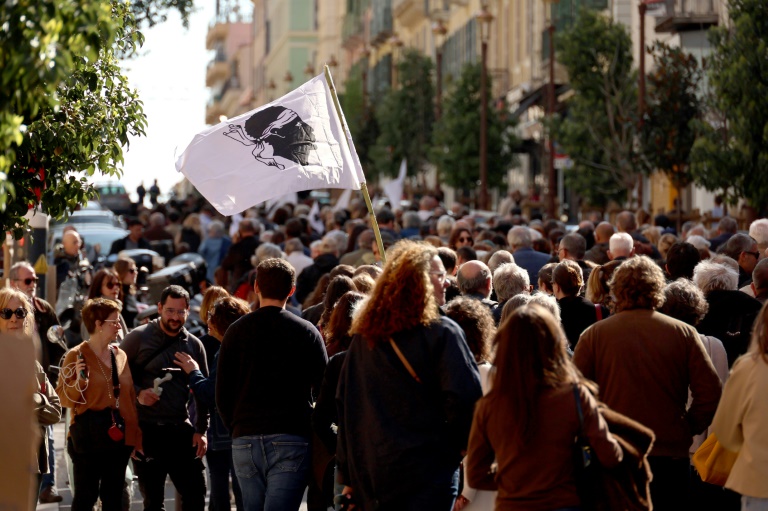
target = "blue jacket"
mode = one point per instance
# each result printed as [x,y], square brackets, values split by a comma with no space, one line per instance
[532,261]
[204,390]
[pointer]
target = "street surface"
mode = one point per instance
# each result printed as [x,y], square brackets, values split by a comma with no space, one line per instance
[62,483]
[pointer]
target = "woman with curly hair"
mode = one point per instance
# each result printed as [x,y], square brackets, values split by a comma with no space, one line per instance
[406,392]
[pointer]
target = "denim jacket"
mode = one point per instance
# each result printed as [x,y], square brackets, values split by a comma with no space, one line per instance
[204,389]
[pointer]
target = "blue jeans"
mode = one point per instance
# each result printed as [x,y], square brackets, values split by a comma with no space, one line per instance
[272,470]
[753,503]
[49,479]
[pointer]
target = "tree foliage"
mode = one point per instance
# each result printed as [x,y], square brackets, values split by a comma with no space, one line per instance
[672,109]
[70,106]
[406,116]
[361,120]
[456,140]
[732,154]
[600,129]
[65,105]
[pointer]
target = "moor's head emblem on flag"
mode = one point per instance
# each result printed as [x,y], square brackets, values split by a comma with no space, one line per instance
[276,131]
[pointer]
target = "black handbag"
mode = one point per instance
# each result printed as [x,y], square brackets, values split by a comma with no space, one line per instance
[585,462]
[100,430]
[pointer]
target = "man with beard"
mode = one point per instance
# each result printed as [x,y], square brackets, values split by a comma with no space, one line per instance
[172,445]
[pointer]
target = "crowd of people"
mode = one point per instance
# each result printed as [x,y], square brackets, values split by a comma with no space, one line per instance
[452,373]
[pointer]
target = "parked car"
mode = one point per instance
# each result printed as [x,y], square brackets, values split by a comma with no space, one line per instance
[112,195]
[91,216]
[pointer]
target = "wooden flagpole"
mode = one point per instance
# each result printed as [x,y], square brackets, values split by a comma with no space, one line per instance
[363,186]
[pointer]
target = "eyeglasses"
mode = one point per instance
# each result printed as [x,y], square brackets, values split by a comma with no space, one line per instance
[28,281]
[6,314]
[756,254]
[132,270]
[110,285]
[116,321]
[174,312]
[440,274]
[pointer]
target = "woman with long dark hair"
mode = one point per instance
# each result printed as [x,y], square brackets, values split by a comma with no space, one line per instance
[529,418]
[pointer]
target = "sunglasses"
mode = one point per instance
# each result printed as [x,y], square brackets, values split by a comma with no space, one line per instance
[6,314]
[110,285]
[465,239]
[132,270]
[28,281]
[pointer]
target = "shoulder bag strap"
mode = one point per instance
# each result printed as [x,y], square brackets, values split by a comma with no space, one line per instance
[598,312]
[578,408]
[115,381]
[404,360]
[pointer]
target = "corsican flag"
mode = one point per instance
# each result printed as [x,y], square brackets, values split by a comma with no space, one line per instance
[292,144]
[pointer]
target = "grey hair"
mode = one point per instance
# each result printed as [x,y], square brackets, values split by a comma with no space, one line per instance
[339,238]
[737,244]
[411,220]
[698,241]
[519,237]
[760,275]
[728,224]
[549,302]
[712,276]
[157,218]
[13,273]
[267,251]
[216,228]
[510,280]
[684,301]
[474,284]
[498,259]
[445,226]
[575,244]
[293,245]
[759,231]
[621,244]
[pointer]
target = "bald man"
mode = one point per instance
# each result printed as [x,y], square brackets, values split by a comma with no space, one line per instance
[474,281]
[68,256]
[598,254]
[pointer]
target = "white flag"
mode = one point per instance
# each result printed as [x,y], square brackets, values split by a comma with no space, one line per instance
[314,218]
[343,200]
[292,144]
[394,189]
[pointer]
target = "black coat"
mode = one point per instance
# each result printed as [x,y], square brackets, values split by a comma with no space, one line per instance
[730,318]
[577,314]
[119,245]
[308,278]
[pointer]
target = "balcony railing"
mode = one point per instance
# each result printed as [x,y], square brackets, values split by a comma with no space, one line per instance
[381,22]
[352,27]
[683,14]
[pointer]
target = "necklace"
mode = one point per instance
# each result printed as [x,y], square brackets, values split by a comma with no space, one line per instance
[101,368]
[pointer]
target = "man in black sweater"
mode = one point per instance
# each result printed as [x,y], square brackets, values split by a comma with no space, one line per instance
[271,363]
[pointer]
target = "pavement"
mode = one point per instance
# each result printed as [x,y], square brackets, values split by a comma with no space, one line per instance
[62,483]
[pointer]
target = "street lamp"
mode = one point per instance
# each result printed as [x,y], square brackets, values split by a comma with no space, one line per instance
[484,19]
[439,31]
[366,55]
[552,180]
[394,43]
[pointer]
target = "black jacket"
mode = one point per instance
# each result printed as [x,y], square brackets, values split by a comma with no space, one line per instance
[576,315]
[308,278]
[271,363]
[395,433]
[119,245]
[730,318]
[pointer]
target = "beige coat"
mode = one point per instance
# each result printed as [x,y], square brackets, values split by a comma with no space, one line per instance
[741,422]
[48,410]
